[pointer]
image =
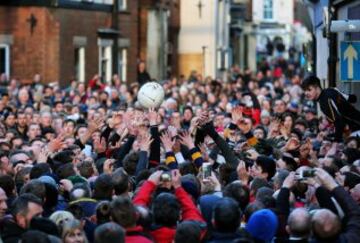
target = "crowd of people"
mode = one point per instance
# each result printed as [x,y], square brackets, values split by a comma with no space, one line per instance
[247,159]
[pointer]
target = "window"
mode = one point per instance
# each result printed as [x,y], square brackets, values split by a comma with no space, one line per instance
[122,4]
[105,59]
[5,59]
[268,9]
[122,69]
[80,63]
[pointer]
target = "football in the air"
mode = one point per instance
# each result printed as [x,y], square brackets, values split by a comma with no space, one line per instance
[151,95]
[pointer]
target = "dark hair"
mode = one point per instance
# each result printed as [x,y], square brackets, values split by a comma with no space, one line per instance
[85,168]
[35,236]
[226,215]
[19,178]
[130,162]
[65,171]
[311,81]
[267,165]
[291,164]
[252,208]
[166,209]
[264,195]
[120,180]
[39,170]
[351,179]
[123,212]
[103,187]
[44,225]
[7,184]
[36,188]
[21,203]
[103,211]
[188,231]
[297,132]
[257,183]
[65,156]
[108,233]
[238,192]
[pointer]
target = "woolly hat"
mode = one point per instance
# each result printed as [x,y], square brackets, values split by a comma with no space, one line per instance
[59,217]
[48,179]
[207,203]
[263,225]
[191,188]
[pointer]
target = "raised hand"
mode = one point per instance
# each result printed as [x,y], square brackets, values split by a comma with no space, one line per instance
[194,124]
[95,124]
[173,131]
[56,144]
[292,144]
[325,179]
[145,142]
[186,139]
[236,115]
[252,154]
[66,185]
[274,128]
[167,141]
[155,177]
[204,118]
[43,155]
[100,145]
[289,181]
[152,115]
[108,166]
[243,173]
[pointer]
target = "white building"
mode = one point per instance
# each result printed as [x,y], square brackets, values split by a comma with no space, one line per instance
[204,37]
[274,20]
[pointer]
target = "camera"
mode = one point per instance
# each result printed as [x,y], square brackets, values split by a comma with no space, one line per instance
[165,177]
[306,174]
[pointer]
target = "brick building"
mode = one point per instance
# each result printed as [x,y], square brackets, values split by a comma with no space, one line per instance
[65,39]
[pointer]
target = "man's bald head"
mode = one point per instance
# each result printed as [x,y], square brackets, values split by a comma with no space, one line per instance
[299,223]
[325,224]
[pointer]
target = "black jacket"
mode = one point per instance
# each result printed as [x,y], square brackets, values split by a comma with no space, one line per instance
[217,237]
[11,232]
[143,78]
[339,111]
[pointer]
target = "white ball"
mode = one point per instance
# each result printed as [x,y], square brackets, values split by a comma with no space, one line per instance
[151,95]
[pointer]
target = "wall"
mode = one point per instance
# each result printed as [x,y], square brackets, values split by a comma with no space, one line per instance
[195,33]
[30,53]
[49,50]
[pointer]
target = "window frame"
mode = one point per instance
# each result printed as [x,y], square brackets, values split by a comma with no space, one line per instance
[7,58]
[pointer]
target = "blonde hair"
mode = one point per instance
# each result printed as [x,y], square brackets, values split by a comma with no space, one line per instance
[70,226]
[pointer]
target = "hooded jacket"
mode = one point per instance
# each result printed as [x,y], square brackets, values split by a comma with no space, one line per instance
[163,234]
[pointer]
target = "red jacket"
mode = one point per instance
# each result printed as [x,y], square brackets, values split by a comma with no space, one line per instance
[189,211]
[136,235]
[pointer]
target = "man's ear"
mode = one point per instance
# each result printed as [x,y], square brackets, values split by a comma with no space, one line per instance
[213,222]
[265,175]
[21,221]
[287,229]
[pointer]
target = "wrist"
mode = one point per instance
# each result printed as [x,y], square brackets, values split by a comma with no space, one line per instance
[153,123]
[332,186]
